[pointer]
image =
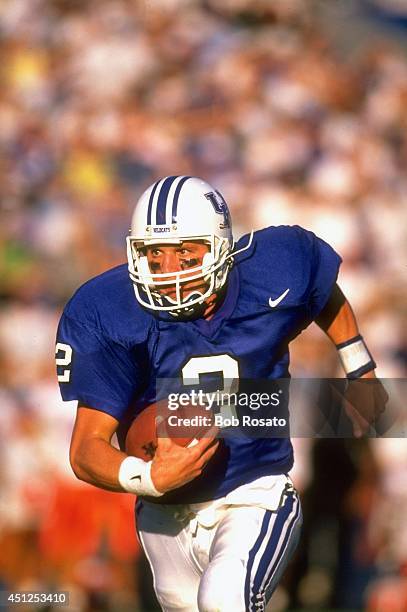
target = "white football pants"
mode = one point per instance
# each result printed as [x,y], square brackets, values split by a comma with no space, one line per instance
[214,557]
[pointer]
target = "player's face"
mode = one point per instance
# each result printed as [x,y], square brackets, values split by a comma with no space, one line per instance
[164,259]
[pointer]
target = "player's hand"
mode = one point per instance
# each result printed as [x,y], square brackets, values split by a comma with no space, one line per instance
[364,402]
[174,465]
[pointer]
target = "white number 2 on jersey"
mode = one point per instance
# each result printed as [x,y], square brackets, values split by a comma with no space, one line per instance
[228,368]
[63,360]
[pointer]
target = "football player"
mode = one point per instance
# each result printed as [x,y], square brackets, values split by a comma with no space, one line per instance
[190,303]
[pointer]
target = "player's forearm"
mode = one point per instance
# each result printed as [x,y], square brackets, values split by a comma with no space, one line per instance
[97,462]
[339,323]
[337,319]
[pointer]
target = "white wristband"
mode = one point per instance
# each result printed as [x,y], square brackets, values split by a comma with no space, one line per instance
[135,477]
[355,357]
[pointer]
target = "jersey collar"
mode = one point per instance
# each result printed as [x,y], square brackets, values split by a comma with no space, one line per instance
[211,326]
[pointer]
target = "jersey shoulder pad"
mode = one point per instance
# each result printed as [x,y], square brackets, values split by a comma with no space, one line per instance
[108,305]
[282,238]
[285,258]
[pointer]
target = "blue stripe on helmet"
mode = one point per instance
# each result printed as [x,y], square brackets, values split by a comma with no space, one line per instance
[162,200]
[176,197]
[150,203]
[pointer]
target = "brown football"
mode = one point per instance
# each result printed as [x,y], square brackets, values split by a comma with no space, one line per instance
[183,426]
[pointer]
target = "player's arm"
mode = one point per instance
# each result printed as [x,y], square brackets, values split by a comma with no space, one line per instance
[363,403]
[338,321]
[92,456]
[96,461]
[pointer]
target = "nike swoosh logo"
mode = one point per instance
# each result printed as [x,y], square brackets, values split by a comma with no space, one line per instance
[138,476]
[274,303]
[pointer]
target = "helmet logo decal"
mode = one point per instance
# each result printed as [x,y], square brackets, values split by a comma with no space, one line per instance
[220,206]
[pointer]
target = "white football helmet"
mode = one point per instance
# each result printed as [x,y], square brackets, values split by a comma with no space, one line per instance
[173,210]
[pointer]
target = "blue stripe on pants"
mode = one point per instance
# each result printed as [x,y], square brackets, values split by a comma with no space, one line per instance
[255,586]
[282,550]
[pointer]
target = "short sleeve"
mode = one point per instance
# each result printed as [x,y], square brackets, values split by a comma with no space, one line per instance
[325,270]
[93,369]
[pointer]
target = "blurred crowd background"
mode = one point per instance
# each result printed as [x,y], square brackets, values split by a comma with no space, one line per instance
[297,111]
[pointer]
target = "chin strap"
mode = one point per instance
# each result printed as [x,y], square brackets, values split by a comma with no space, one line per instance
[185,312]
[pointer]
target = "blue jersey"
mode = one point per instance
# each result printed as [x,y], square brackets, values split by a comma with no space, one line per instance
[112,351]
